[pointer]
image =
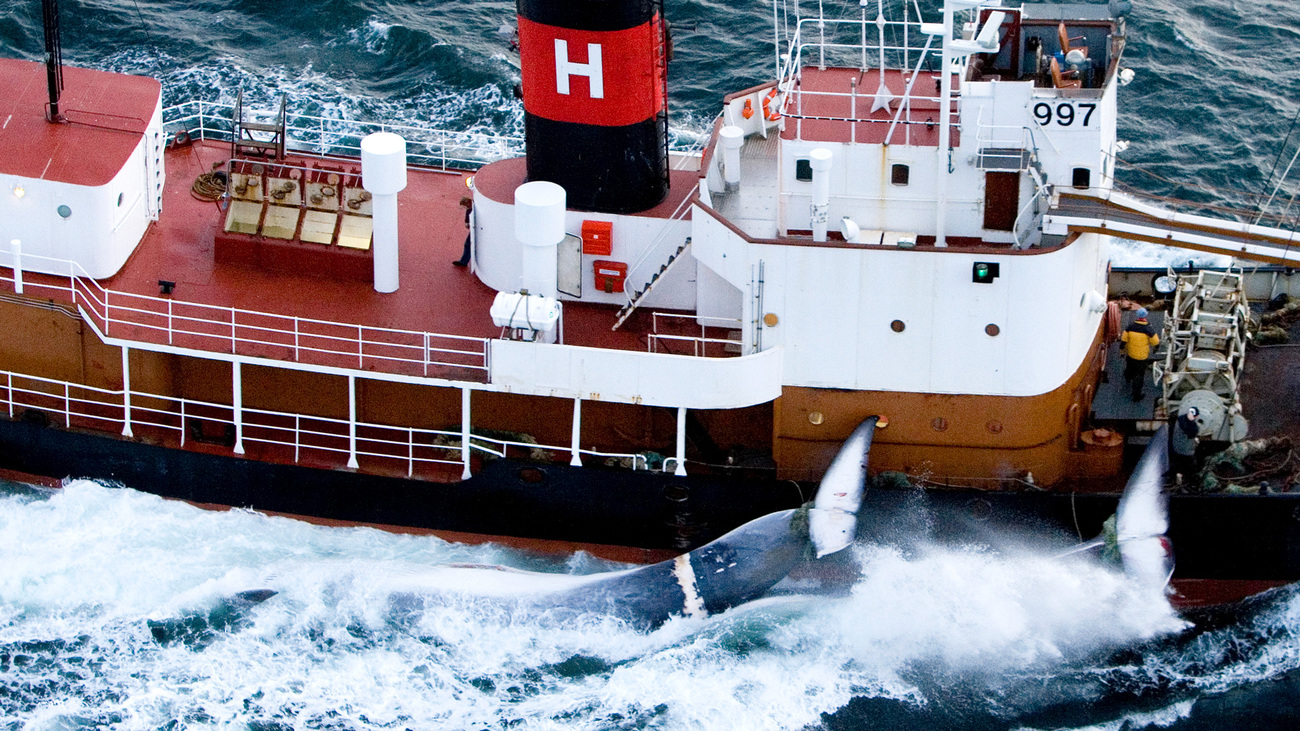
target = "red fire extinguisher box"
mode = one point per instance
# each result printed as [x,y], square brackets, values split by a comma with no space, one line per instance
[610,275]
[598,238]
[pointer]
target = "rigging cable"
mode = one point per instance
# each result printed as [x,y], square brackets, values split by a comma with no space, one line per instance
[1278,159]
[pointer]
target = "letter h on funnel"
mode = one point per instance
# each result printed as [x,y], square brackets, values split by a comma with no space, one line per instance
[564,68]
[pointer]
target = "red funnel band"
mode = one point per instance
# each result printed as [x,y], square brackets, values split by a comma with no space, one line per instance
[604,78]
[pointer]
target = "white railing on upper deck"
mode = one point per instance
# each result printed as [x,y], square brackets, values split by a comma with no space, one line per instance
[342,137]
[706,344]
[321,438]
[252,333]
[867,51]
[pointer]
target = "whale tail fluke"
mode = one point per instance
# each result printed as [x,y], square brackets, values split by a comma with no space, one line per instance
[833,519]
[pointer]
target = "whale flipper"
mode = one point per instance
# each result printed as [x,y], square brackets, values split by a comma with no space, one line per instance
[1142,518]
[835,508]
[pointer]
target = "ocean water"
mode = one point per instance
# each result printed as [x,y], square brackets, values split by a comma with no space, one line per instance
[121,610]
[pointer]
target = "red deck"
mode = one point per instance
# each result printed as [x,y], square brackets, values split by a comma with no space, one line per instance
[823,105]
[92,146]
[434,297]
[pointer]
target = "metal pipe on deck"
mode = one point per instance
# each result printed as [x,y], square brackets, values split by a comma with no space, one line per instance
[733,138]
[383,175]
[945,133]
[821,195]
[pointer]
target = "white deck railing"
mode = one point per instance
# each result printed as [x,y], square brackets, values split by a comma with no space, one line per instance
[106,410]
[252,333]
[342,137]
[701,345]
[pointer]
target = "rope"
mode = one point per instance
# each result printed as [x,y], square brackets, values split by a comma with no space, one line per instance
[209,187]
[1282,148]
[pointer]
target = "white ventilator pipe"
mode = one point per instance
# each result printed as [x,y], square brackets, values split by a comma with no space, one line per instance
[821,196]
[383,175]
[733,138]
[539,226]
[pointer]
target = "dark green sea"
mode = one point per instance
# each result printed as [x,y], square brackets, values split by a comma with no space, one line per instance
[116,607]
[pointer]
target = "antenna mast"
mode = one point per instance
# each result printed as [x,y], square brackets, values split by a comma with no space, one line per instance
[53,57]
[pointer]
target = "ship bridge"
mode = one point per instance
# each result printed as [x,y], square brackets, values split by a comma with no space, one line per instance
[1124,215]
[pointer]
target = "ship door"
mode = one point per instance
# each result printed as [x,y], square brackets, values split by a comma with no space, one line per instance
[568,266]
[1001,200]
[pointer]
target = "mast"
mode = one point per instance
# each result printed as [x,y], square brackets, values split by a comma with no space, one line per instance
[53,57]
[945,133]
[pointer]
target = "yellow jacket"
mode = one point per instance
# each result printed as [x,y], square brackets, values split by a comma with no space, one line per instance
[1139,339]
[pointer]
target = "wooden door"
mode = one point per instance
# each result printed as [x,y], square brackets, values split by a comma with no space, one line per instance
[1001,200]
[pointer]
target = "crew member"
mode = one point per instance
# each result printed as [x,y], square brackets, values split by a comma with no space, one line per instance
[1182,441]
[468,204]
[1138,340]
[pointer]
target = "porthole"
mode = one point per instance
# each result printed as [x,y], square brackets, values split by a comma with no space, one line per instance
[900,174]
[992,330]
[1082,178]
[64,211]
[803,170]
[531,476]
[897,326]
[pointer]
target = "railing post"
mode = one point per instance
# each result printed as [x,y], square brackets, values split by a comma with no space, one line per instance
[576,457]
[352,423]
[237,403]
[361,358]
[681,442]
[233,349]
[464,433]
[426,354]
[67,407]
[126,391]
[17,247]
[182,422]
[9,392]
[410,451]
[295,338]
[169,322]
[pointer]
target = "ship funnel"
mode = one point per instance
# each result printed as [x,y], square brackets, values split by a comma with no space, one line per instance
[595,101]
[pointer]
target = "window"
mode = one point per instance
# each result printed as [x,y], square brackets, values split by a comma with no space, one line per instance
[803,170]
[1082,178]
[899,174]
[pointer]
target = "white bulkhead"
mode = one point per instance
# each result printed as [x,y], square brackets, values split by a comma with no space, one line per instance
[96,227]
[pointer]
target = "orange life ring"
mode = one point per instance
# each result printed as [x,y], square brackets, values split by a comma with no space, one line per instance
[748,111]
[770,111]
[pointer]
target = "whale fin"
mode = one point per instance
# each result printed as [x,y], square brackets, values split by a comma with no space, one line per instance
[1142,518]
[833,520]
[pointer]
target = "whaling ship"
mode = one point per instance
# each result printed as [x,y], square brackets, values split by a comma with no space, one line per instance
[648,347]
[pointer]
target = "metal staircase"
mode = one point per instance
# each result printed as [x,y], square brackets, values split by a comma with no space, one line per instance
[639,295]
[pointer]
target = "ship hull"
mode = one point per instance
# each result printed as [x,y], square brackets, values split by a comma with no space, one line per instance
[1228,546]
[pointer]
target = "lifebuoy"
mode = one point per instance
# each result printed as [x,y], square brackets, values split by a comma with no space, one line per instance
[181,138]
[748,111]
[770,111]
